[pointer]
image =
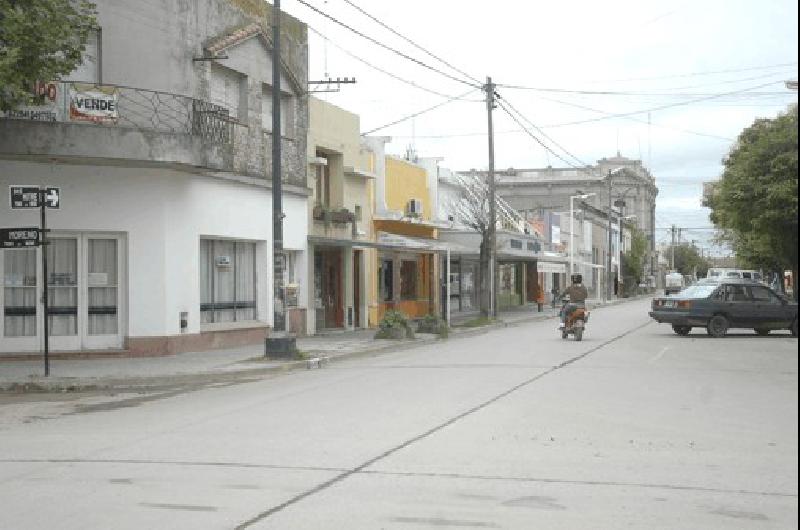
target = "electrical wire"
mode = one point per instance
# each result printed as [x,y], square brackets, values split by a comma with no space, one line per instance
[661,107]
[410,116]
[381,70]
[540,142]
[581,162]
[697,74]
[373,18]
[638,120]
[387,47]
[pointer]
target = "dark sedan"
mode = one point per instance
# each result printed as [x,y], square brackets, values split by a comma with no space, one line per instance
[719,306]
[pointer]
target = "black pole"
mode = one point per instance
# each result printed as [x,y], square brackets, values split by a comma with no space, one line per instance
[43,246]
[277,202]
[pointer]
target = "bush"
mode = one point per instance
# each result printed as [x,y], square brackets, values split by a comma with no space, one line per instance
[433,324]
[394,325]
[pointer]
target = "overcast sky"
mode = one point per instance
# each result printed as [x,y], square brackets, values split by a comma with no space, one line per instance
[707,68]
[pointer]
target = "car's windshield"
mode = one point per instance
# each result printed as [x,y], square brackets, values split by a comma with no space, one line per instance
[698,291]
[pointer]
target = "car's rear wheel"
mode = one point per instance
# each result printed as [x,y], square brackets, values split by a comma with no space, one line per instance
[717,326]
[681,330]
[762,332]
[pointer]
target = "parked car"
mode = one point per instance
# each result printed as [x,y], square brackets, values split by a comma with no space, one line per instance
[719,305]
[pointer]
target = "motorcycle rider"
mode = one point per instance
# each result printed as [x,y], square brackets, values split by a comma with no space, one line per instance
[577,293]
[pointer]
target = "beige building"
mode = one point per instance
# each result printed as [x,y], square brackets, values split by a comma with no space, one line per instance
[340,222]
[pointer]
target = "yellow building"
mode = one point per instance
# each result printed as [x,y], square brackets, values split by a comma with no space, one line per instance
[406,271]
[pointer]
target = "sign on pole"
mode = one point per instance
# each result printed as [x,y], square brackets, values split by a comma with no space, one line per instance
[27,197]
[19,237]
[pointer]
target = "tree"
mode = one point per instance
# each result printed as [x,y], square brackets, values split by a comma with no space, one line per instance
[40,40]
[756,199]
[688,259]
[471,209]
[633,259]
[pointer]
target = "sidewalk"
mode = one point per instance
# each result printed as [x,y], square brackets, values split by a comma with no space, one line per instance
[226,365]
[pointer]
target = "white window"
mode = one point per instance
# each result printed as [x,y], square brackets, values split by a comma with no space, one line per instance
[19,301]
[227,89]
[287,112]
[227,281]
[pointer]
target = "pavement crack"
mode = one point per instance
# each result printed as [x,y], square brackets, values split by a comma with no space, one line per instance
[359,469]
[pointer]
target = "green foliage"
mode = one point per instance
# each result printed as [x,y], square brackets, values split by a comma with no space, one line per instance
[756,199]
[394,325]
[433,323]
[688,259]
[633,260]
[40,40]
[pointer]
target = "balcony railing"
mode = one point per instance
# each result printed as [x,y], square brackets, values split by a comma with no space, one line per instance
[128,107]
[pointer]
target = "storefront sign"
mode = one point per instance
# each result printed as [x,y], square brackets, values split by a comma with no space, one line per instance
[45,104]
[557,268]
[19,237]
[94,103]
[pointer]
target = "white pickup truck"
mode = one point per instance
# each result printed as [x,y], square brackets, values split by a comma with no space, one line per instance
[674,282]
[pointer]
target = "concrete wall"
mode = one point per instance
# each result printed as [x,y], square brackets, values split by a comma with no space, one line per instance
[163,214]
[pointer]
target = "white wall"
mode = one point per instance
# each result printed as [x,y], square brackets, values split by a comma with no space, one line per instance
[163,214]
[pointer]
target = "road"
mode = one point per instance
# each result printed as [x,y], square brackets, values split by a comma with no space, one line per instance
[633,427]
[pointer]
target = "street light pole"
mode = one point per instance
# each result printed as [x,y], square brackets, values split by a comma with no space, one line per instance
[572,229]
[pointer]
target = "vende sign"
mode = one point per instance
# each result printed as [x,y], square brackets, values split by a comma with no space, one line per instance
[93,103]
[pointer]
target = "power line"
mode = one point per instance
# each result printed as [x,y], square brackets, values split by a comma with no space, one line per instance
[360,10]
[611,115]
[548,149]
[382,45]
[581,162]
[629,93]
[395,122]
[381,70]
[697,74]
[661,107]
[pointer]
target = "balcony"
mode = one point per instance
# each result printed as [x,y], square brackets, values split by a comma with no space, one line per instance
[120,124]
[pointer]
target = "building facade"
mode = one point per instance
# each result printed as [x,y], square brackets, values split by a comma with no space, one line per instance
[162,242]
[340,219]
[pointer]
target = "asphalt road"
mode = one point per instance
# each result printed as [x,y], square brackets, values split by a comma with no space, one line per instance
[634,427]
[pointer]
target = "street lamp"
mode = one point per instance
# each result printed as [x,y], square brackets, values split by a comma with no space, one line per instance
[572,229]
[611,173]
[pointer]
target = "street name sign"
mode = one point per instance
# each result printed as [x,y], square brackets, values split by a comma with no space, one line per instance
[26,197]
[19,237]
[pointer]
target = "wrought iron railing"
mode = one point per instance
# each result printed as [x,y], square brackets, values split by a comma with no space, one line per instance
[128,107]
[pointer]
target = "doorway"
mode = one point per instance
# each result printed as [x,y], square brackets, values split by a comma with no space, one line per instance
[328,289]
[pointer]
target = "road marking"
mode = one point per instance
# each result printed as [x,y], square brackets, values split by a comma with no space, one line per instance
[362,467]
[659,354]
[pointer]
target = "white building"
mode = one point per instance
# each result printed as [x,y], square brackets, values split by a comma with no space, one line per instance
[163,239]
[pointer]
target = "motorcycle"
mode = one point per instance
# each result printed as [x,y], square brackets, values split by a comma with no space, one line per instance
[574,321]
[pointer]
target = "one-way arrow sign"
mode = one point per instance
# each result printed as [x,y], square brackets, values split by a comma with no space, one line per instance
[52,197]
[25,197]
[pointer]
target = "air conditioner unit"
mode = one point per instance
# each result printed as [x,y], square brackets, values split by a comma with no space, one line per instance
[414,207]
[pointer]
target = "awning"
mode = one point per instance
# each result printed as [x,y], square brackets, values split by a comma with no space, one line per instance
[385,241]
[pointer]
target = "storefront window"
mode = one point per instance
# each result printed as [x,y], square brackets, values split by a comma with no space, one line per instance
[227,281]
[19,306]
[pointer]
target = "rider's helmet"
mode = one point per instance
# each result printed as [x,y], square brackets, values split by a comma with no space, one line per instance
[576,278]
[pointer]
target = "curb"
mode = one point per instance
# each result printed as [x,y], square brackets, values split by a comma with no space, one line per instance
[319,360]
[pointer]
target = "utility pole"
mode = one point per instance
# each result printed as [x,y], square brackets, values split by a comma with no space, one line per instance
[280,344]
[492,211]
[45,294]
[672,249]
[609,279]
